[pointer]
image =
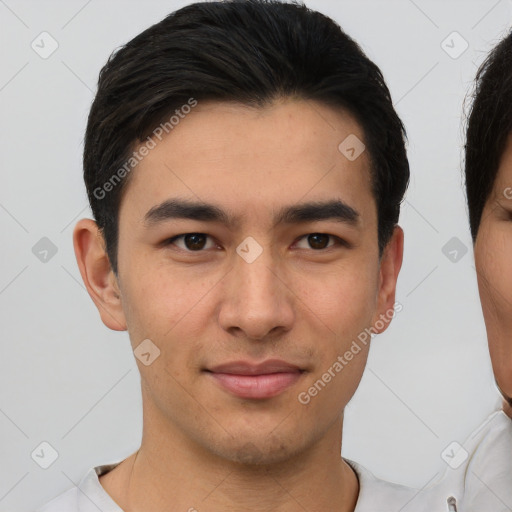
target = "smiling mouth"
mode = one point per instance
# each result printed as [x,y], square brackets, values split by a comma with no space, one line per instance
[255,381]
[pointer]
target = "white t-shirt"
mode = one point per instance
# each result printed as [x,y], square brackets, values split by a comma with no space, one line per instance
[480,476]
[375,495]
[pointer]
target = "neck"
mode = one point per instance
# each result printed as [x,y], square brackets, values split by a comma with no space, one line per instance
[507,407]
[172,473]
[507,402]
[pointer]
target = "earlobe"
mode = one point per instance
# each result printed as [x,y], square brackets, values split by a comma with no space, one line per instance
[97,274]
[390,265]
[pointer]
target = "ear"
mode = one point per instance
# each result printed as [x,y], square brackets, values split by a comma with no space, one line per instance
[390,264]
[97,274]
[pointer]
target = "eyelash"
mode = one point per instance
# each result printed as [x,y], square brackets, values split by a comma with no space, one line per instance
[339,241]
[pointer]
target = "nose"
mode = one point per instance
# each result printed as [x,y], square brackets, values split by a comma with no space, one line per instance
[257,301]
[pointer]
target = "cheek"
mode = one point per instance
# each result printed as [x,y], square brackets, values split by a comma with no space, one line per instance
[493,259]
[356,296]
[159,302]
[341,305]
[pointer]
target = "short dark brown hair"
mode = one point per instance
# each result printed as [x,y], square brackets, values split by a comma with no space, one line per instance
[488,125]
[247,51]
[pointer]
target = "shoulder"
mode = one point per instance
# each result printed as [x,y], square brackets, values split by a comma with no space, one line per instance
[488,480]
[376,495]
[478,474]
[65,502]
[87,496]
[497,429]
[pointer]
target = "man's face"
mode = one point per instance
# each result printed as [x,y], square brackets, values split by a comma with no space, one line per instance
[255,289]
[493,250]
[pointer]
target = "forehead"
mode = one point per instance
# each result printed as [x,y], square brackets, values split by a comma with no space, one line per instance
[255,160]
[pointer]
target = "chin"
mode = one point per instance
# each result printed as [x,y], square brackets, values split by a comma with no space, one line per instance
[259,452]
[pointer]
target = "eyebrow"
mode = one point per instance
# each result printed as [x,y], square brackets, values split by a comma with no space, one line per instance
[335,209]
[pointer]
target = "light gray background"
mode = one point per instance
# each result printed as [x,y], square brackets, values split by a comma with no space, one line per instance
[67,380]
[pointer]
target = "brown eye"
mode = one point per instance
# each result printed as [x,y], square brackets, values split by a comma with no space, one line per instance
[195,241]
[191,242]
[318,240]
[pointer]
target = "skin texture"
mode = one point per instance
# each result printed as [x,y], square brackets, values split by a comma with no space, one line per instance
[295,302]
[493,248]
